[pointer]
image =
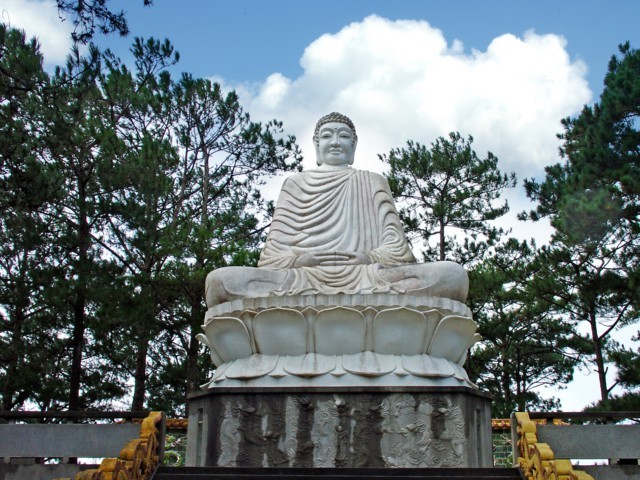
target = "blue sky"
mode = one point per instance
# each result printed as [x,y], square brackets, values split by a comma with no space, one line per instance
[504,71]
[247,40]
[261,48]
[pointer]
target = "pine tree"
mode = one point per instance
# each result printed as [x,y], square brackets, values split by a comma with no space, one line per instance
[448,187]
[525,344]
[592,200]
[186,165]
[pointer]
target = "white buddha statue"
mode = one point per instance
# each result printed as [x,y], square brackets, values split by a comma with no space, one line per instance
[336,231]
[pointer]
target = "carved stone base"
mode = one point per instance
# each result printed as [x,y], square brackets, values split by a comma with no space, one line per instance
[349,427]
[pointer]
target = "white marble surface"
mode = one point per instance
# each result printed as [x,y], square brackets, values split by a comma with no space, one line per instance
[357,301]
[363,369]
[339,330]
[336,230]
[337,292]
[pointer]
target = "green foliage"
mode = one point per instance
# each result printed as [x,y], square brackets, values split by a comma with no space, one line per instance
[122,190]
[628,364]
[592,200]
[89,16]
[185,201]
[29,349]
[447,187]
[601,148]
[628,402]
[524,345]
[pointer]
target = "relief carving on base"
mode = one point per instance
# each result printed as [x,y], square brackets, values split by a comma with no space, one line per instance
[343,430]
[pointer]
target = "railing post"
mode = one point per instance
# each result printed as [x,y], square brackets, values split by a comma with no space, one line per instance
[515,451]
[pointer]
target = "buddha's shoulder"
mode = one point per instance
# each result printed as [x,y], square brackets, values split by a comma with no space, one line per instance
[373,178]
[323,175]
[335,173]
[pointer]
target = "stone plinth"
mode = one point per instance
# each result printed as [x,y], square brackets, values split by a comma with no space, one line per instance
[340,427]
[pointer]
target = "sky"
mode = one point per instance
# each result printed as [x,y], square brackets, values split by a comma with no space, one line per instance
[503,71]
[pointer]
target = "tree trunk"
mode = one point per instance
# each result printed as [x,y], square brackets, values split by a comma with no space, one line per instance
[77,342]
[505,380]
[9,391]
[79,304]
[196,319]
[600,366]
[192,360]
[140,376]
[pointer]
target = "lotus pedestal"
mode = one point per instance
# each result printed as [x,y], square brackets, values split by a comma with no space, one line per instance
[339,380]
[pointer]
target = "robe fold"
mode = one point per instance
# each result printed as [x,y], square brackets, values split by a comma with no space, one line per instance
[342,210]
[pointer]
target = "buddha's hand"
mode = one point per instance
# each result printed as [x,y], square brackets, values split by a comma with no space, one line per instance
[331,258]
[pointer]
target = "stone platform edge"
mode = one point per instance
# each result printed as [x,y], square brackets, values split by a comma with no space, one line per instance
[338,389]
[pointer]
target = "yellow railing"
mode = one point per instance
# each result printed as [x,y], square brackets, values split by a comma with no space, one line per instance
[138,459]
[537,459]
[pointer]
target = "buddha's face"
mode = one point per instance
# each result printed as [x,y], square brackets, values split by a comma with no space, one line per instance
[336,145]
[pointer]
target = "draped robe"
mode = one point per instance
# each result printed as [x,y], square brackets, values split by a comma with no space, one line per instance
[336,210]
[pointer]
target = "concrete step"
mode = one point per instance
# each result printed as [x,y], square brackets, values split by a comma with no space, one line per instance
[248,473]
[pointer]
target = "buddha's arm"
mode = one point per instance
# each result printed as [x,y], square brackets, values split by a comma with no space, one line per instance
[394,248]
[278,252]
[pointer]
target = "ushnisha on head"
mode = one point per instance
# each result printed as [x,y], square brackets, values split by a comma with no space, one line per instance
[335,140]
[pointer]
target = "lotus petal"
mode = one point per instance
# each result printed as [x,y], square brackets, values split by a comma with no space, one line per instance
[428,366]
[278,371]
[280,331]
[452,337]
[310,365]
[229,337]
[339,330]
[461,373]
[247,318]
[472,341]
[215,358]
[253,367]
[399,331]
[219,375]
[369,314]
[369,364]
[339,371]
[432,319]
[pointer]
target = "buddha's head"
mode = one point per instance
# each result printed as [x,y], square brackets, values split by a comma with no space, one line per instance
[335,140]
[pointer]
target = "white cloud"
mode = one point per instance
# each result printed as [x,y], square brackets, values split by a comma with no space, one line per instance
[275,90]
[39,18]
[401,80]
